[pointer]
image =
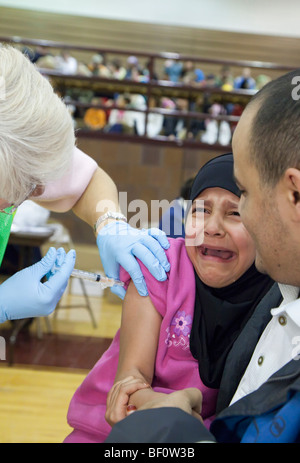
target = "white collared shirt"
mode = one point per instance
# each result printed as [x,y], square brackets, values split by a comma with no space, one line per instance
[278,344]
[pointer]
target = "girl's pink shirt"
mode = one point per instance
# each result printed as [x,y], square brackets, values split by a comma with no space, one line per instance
[175,367]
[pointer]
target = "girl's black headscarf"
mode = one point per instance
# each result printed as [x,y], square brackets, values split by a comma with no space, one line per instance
[221,313]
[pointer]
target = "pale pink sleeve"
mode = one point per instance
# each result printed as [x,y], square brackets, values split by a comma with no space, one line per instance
[61,195]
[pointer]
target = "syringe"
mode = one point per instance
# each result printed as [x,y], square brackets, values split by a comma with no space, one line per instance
[104,281]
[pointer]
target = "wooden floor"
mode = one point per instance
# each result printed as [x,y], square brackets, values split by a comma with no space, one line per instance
[33,404]
[35,394]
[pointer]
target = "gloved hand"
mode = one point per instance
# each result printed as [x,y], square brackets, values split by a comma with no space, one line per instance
[24,295]
[120,244]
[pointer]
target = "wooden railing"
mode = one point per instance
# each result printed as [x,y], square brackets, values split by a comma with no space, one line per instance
[152,87]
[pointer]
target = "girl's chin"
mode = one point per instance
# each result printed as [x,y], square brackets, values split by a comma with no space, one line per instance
[216,279]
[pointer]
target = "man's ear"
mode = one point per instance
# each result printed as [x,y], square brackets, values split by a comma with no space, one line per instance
[292,184]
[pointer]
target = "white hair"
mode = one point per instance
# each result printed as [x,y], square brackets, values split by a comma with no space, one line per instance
[36,129]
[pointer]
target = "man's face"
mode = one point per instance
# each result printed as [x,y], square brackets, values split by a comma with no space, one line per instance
[261,208]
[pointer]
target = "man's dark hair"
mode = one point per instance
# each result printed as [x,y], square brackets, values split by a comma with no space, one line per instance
[275,130]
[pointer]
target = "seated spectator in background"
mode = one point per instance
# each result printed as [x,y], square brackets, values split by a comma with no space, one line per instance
[117,71]
[36,54]
[97,66]
[137,118]
[197,126]
[225,133]
[191,75]
[245,81]
[176,126]
[211,80]
[168,103]
[196,129]
[225,80]
[173,220]
[83,70]
[133,68]
[208,297]
[120,120]
[65,63]
[262,80]
[47,61]
[216,131]
[137,75]
[154,121]
[95,118]
[146,72]
[173,70]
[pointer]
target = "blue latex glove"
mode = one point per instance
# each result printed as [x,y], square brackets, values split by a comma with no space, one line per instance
[24,296]
[120,244]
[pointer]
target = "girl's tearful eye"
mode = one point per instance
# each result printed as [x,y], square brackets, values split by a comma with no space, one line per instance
[199,210]
[234,215]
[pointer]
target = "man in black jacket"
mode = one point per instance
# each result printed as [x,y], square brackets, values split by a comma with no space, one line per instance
[259,398]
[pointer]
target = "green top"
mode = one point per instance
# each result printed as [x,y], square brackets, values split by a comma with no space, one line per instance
[5,226]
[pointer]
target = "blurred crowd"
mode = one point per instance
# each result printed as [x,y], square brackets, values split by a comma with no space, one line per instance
[176,71]
[124,113]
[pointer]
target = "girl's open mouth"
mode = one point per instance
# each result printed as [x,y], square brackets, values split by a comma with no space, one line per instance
[220,255]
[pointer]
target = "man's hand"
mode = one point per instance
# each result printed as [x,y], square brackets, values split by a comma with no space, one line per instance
[189,400]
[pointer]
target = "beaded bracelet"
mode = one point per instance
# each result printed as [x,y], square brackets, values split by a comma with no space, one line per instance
[109,215]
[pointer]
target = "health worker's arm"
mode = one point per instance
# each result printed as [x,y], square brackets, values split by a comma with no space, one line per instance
[82,187]
[89,191]
[139,334]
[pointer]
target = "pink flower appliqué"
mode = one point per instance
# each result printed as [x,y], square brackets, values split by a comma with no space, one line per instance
[182,323]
